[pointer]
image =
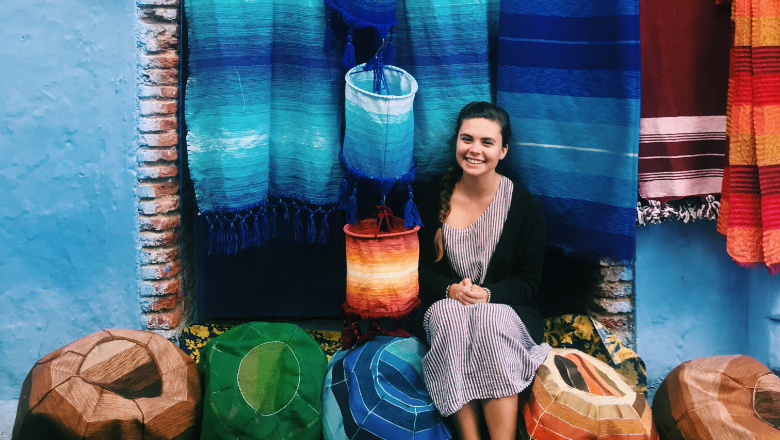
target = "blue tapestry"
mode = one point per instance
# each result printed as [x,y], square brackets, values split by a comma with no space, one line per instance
[449,48]
[263,107]
[378,15]
[568,75]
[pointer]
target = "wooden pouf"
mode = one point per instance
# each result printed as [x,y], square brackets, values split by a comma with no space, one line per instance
[112,384]
[717,398]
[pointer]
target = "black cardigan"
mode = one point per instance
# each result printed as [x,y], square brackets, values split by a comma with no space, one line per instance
[514,271]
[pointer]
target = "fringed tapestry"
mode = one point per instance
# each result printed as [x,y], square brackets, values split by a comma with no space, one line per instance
[450,49]
[750,203]
[379,136]
[263,109]
[568,75]
[682,135]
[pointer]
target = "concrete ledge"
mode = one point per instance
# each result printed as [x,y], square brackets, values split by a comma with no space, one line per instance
[7,416]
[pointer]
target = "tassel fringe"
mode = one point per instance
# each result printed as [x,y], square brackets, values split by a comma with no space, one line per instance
[688,210]
[330,38]
[352,206]
[230,232]
[411,213]
[348,61]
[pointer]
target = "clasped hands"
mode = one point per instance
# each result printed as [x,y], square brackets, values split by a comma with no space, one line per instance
[467,293]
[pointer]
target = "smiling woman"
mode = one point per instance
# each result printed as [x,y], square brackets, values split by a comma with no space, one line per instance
[480,266]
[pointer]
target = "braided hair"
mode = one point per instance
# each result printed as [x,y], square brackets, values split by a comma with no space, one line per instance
[472,110]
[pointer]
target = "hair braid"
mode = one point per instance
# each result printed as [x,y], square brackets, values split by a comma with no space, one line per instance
[451,177]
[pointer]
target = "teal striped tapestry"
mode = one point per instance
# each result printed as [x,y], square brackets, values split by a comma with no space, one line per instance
[263,107]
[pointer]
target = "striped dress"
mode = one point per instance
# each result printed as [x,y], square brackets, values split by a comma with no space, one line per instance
[483,350]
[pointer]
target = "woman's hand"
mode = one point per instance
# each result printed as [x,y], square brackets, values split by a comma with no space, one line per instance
[467,293]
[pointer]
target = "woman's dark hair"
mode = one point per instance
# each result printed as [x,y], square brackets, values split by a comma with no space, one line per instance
[472,110]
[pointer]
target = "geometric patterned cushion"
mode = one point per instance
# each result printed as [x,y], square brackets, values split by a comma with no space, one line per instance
[719,397]
[262,381]
[576,396]
[587,335]
[112,384]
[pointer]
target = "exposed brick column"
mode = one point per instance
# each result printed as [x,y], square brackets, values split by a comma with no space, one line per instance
[161,288]
[612,300]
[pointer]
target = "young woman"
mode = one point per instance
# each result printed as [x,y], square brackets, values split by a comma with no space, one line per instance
[481,253]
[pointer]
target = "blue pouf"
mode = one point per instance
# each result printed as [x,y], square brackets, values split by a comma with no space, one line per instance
[377,391]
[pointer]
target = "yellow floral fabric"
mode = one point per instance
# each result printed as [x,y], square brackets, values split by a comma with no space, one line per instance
[579,332]
[195,337]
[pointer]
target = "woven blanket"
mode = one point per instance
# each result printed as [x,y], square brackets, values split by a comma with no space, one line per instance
[263,109]
[568,75]
[449,48]
[750,204]
[682,135]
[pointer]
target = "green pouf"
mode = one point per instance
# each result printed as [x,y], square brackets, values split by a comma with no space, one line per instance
[263,381]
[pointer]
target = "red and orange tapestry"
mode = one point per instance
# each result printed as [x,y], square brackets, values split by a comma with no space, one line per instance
[750,204]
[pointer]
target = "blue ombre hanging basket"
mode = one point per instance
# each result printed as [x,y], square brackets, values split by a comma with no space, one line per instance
[379,136]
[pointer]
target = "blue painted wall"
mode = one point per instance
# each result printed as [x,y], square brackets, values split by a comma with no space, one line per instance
[67,177]
[692,300]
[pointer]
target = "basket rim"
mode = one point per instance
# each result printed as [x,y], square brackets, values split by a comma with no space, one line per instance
[359,69]
[380,234]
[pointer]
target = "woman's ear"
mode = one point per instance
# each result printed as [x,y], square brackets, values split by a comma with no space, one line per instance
[504,151]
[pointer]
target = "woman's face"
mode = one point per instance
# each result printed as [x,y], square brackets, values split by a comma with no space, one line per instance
[479,146]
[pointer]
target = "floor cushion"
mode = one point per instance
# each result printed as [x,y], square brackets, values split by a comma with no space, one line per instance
[376,391]
[586,334]
[719,397]
[262,381]
[112,384]
[576,396]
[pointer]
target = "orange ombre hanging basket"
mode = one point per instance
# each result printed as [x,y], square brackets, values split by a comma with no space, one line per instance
[382,260]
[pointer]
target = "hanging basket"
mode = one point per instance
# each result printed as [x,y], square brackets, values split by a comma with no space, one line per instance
[378,144]
[381,269]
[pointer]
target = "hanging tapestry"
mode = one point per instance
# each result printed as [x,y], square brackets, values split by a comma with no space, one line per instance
[682,134]
[379,135]
[449,48]
[263,109]
[750,204]
[568,75]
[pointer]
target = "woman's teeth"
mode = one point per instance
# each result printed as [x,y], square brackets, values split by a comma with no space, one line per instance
[475,161]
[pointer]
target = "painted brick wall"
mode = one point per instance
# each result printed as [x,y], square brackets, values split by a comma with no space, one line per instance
[612,300]
[161,287]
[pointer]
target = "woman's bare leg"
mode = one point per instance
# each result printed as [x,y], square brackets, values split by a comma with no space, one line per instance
[467,421]
[501,417]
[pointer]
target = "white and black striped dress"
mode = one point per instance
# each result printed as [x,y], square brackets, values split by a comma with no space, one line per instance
[479,351]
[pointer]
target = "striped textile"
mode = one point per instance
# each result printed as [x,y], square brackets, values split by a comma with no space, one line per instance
[576,396]
[111,384]
[719,397]
[568,75]
[480,351]
[254,76]
[382,279]
[450,49]
[682,133]
[750,205]
[376,391]
[469,249]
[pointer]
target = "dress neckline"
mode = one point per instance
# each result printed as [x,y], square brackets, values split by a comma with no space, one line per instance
[495,196]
